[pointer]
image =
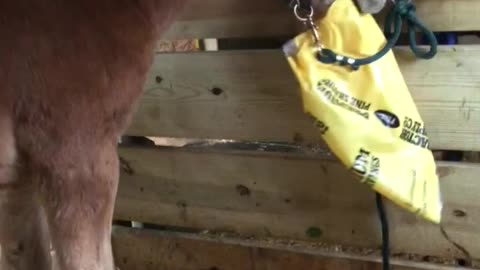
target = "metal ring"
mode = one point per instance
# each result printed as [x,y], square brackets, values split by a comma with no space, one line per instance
[300,18]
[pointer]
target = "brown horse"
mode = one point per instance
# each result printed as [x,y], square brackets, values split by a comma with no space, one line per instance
[70,75]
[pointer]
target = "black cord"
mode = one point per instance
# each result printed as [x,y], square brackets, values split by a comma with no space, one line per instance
[385,233]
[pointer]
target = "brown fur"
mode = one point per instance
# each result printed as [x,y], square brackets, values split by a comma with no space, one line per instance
[70,73]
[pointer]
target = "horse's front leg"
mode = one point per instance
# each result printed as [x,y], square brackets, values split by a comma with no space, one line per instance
[79,195]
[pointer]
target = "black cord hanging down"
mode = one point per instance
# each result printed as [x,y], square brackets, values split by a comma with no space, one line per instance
[402,10]
[385,232]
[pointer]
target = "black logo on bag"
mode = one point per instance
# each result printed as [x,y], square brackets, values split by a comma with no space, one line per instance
[388,119]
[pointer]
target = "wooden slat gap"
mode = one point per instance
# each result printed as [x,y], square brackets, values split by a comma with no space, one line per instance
[297,152]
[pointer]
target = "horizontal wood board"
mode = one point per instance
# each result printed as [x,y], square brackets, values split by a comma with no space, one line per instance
[259,97]
[287,197]
[153,250]
[251,18]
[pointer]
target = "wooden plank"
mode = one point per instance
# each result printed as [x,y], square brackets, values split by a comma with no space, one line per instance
[153,250]
[259,97]
[250,18]
[288,197]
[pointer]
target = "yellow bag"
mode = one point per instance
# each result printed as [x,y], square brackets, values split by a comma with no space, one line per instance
[367,116]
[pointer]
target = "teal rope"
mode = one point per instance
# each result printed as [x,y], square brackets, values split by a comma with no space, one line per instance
[402,10]
[405,9]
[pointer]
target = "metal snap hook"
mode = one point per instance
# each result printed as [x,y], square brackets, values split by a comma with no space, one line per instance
[307,19]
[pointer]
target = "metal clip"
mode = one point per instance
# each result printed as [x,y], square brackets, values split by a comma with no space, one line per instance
[307,19]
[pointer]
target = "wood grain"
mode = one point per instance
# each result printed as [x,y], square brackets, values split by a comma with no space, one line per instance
[250,18]
[154,250]
[286,197]
[257,97]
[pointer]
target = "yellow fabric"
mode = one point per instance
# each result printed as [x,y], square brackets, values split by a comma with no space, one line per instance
[367,117]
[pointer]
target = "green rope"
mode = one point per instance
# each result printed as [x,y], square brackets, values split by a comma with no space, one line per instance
[402,10]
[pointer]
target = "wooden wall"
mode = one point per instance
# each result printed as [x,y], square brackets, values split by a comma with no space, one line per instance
[251,96]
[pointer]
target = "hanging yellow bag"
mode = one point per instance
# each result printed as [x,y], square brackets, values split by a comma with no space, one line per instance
[365,112]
